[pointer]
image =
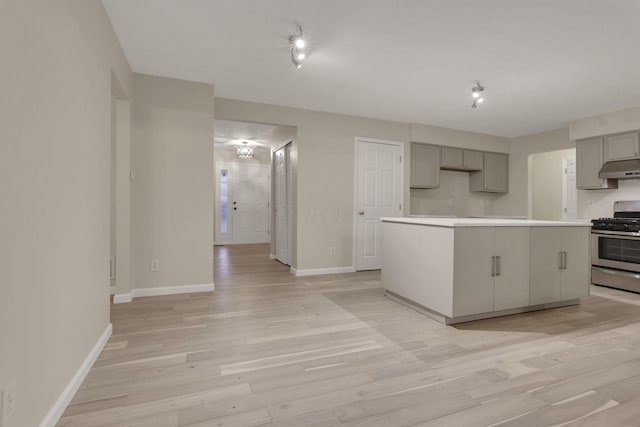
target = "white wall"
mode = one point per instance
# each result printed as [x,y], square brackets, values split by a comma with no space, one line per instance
[325,169]
[172,195]
[516,202]
[604,124]
[55,132]
[325,159]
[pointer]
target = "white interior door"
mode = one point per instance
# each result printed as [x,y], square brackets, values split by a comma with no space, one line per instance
[569,190]
[282,201]
[378,194]
[250,202]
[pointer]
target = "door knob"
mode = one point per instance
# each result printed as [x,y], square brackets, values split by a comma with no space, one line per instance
[361,213]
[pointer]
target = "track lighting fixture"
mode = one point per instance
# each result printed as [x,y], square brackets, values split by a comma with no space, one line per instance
[297,45]
[476,94]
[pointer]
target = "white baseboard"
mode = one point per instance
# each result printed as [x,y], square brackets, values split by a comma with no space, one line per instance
[272,256]
[56,411]
[322,271]
[120,298]
[165,290]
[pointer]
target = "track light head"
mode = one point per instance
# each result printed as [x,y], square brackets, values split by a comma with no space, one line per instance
[476,94]
[297,45]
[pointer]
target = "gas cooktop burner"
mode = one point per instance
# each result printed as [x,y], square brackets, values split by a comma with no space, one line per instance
[616,224]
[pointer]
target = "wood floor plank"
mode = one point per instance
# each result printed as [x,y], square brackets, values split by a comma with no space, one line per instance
[269,348]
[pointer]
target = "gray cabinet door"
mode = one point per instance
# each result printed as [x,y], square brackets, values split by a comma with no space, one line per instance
[473,160]
[589,161]
[451,158]
[495,172]
[494,176]
[621,147]
[425,166]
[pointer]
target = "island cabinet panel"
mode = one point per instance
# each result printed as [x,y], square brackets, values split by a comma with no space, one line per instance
[473,281]
[417,264]
[559,264]
[491,269]
[512,248]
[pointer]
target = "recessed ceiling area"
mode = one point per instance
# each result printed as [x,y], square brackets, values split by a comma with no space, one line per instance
[543,63]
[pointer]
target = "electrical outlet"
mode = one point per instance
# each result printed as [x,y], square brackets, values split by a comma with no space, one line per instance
[155,265]
[332,251]
[8,403]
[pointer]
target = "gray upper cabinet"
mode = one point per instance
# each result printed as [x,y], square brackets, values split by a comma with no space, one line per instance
[621,147]
[462,160]
[473,160]
[589,161]
[425,166]
[494,176]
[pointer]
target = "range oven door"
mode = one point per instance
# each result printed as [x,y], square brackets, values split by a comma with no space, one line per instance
[615,250]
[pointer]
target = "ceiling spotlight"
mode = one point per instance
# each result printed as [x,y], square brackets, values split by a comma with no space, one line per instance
[297,40]
[297,45]
[476,94]
[296,62]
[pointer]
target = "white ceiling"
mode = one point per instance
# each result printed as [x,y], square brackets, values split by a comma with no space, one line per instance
[543,62]
[233,134]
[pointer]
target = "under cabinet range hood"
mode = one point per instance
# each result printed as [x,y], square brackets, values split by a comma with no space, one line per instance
[621,169]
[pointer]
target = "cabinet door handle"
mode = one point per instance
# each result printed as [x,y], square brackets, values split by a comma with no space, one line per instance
[564,260]
[498,260]
[493,266]
[559,260]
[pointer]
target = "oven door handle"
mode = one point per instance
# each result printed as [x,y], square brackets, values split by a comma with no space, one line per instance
[621,234]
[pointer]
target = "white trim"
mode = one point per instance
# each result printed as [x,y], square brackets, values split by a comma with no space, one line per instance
[112,290]
[120,298]
[58,408]
[358,139]
[165,290]
[171,290]
[322,271]
[272,256]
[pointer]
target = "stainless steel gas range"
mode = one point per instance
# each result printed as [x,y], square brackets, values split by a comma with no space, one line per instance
[615,248]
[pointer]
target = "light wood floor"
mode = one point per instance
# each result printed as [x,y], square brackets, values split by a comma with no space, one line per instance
[268,348]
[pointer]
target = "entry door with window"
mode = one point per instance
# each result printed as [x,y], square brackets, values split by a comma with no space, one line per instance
[242,203]
[378,194]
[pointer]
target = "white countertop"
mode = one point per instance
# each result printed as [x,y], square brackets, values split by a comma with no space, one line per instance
[486,222]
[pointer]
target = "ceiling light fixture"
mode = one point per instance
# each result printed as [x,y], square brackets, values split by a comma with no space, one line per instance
[244,151]
[297,45]
[476,94]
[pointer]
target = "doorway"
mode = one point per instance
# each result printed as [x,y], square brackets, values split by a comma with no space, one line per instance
[378,193]
[283,203]
[569,189]
[242,203]
[552,185]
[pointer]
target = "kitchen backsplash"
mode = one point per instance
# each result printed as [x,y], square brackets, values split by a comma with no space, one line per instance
[452,198]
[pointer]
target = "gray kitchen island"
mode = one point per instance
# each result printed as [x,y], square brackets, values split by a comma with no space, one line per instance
[461,269]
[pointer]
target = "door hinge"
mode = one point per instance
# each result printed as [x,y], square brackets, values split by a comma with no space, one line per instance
[400,159]
[400,207]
